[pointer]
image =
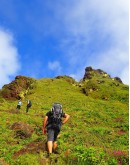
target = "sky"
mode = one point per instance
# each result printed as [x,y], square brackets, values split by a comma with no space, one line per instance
[47,38]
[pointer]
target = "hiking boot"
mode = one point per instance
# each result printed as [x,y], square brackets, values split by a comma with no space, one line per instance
[56,152]
[48,155]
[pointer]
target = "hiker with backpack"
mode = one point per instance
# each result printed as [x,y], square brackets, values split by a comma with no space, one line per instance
[52,125]
[29,104]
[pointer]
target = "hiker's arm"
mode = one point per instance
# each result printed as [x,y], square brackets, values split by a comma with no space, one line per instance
[44,124]
[66,118]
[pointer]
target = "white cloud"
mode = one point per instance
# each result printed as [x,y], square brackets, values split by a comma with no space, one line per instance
[97,36]
[114,62]
[78,75]
[54,66]
[9,64]
[125,75]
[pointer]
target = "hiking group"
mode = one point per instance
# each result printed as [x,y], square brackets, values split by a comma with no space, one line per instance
[52,125]
[29,104]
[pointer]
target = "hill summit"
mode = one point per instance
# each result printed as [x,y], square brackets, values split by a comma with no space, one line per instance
[95,83]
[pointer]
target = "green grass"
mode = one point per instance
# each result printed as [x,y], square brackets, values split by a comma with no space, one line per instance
[96,132]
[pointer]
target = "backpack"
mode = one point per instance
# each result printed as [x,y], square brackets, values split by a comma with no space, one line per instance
[56,115]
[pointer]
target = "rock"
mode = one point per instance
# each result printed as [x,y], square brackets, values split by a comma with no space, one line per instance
[105,98]
[90,72]
[105,75]
[100,81]
[22,130]
[87,69]
[87,74]
[100,71]
[91,90]
[118,79]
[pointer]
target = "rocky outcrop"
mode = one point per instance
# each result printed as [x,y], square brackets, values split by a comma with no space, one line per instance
[99,84]
[13,89]
[90,72]
[87,74]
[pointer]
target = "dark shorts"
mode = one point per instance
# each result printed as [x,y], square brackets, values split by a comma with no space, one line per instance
[28,106]
[52,134]
[18,106]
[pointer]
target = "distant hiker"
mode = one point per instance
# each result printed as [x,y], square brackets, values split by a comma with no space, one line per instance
[29,104]
[52,125]
[19,104]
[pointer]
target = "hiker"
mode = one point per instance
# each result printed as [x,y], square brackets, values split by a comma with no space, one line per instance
[52,125]
[29,104]
[19,104]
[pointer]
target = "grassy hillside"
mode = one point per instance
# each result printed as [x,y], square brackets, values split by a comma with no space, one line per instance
[96,134]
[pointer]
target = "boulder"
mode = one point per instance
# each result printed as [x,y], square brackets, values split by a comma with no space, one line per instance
[22,130]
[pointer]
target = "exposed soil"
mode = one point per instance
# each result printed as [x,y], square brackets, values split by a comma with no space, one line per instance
[33,147]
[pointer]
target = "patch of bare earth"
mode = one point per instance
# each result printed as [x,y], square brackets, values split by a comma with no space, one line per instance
[33,147]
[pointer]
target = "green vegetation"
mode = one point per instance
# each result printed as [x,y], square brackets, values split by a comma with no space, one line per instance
[97,133]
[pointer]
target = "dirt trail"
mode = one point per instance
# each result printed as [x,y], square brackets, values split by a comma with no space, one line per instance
[33,147]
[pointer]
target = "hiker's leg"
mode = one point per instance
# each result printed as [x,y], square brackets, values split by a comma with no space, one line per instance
[54,146]
[17,107]
[26,109]
[50,139]
[55,138]
[50,145]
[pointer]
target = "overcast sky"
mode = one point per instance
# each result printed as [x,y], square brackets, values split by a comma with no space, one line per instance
[47,38]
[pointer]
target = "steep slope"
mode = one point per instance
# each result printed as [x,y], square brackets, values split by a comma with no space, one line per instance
[97,132]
